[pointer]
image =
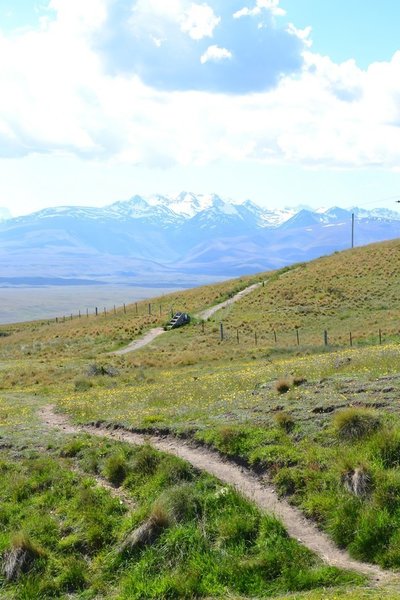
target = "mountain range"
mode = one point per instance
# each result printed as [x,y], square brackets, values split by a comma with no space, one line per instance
[183,238]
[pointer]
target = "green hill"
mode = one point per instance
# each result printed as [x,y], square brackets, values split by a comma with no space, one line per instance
[260,383]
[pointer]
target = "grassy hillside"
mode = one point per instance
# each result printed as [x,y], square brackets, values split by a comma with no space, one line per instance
[321,422]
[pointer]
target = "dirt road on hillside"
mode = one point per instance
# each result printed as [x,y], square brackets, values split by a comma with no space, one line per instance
[144,341]
[246,483]
[205,314]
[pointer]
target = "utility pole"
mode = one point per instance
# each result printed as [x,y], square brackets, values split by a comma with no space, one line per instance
[352,230]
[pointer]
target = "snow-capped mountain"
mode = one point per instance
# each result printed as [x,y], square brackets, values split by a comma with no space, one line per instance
[175,237]
[4,214]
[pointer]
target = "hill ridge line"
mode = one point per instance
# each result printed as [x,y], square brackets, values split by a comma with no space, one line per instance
[244,481]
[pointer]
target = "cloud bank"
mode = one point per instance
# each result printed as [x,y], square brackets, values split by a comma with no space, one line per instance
[161,83]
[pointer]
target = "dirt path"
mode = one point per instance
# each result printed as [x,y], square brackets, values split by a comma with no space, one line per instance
[144,341]
[205,314]
[251,487]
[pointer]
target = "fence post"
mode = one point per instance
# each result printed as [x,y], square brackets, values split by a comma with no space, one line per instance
[56,319]
[351,339]
[202,325]
[221,330]
[237,335]
[325,337]
[96,311]
[297,336]
[160,310]
[115,310]
[79,314]
[256,338]
[149,308]
[87,313]
[136,307]
[71,316]
[105,312]
[380,336]
[275,338]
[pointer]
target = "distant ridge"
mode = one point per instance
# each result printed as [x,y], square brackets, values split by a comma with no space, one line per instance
[174,238]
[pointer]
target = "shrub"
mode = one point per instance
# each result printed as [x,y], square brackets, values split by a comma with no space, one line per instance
[73,448]
[282,386]
[297,381]
[357,481]
[146,460]
[386,446]
[21,557]
[82,385]
[177,504]
[284,421]
[73,577]
[116,469]
[355,423]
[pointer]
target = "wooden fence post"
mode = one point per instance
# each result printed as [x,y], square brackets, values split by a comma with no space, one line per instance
[149,308]
[275,338]
[221,331]
[255,337]
[237,335]
[297,336]
[380,336]
[325,337]
[351,339]
[96,311]
[202,325]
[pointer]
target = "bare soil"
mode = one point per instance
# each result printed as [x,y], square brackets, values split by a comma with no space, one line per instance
[245,482]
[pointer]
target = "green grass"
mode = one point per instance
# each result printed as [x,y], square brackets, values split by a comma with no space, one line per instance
[332,433]
[212,542]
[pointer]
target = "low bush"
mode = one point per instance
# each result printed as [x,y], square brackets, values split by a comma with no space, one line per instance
[386,447]
[282,386]
[284,421]
[355,423]
[116,469]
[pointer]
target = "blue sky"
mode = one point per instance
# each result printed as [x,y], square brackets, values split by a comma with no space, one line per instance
[285,102]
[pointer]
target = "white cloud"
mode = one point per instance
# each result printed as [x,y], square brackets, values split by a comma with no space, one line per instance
[199,21]
[271,5]
[56,97]
[302,34]
[215,53]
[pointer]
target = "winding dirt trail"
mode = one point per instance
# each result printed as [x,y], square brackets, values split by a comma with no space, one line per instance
[247,484]
[206,314]
[152,334]
[144,341]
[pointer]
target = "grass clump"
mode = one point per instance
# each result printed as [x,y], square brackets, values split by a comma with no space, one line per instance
[284,421]
[355,423]
[116,469]
[282,386]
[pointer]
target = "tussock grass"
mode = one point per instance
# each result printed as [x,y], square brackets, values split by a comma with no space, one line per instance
[356,423]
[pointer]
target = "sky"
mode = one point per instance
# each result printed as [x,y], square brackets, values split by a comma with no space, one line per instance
[285,102]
